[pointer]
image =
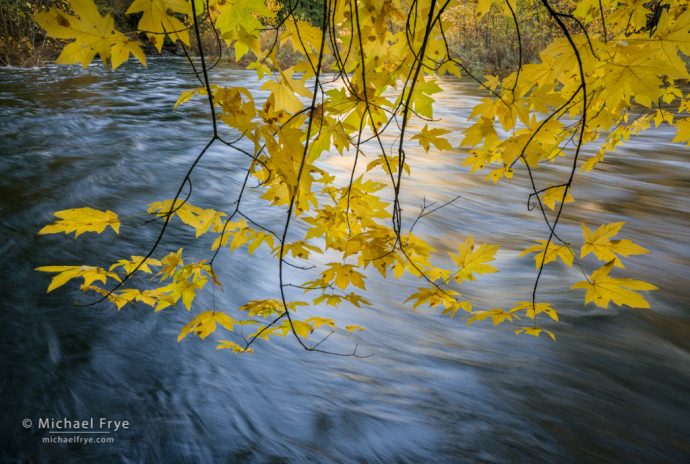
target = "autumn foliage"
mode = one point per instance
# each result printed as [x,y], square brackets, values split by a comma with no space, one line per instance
[613,69]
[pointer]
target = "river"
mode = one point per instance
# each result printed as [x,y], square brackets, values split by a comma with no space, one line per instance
[615,387]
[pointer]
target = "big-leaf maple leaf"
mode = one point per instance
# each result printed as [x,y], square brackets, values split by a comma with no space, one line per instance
[156,21]
[599,242]
[473,260]
[555,251]
[80,220]
[92,33]
[427,137]
[90,274]
[204,324]
[603,289]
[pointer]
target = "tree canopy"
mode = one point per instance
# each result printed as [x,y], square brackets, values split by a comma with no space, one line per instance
[362,87]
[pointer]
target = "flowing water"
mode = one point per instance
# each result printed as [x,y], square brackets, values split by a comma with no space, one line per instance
[613,388]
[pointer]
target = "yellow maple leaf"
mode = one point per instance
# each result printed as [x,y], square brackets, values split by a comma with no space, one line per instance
[284,93]
[682,131]
[532,310]
[357,300]
[330,299]
[238,21]
[299,34]
[170,264]
[80,220]
[421,100]
[187,290]
[204,324]
[603,289]
[599,242]
[301,328]
[473,260]
[553,195]
[131,264]
[592,162]
[317,322]
[491,81]
[433,297]
[125,296]
[299,249]
[156,21]
[554,252]
[669,39]
[661,116]
[497,315]
[484,130]
[187,280]
[535,332]
[199,218]
[131,294]
[244,12]
[343,275]
[92,34]
[262,308]
[230,345]
[90,274]
[259,238]
[188,94]
[427,137]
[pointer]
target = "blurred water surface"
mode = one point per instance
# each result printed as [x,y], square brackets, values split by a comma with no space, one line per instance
[614,388]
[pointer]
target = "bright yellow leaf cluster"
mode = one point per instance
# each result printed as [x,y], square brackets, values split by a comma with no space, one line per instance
[91,33]
[360,92]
